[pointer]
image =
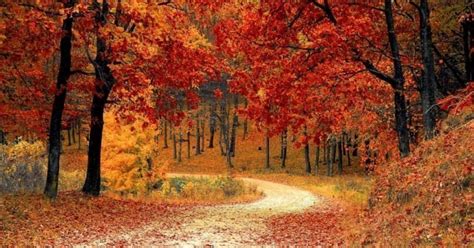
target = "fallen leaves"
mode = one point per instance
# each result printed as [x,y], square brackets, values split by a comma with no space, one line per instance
[74,218]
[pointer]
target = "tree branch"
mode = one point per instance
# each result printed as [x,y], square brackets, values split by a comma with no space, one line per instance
[377,73]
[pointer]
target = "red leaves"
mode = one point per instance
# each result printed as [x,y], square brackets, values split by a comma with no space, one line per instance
[75,219]
[218,93]
[320,226]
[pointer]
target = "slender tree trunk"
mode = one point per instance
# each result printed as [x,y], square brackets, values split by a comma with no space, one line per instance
[348,153]
[340,153]
[198,137]
[188,141]
[284,148]
[212,126]
[235,123]
[245,121]
[316,162]
[267,152]
[180,145]
[73,133]
[51,188]
[79,134]
[175,150]
[69,137]
[306,154]
[202,134]
[165,132]
[333,154]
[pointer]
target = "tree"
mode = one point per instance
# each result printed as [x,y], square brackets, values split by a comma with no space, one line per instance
[54,149]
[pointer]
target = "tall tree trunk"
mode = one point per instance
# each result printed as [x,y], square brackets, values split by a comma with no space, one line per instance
[316,162]
[306,153]
[340,154]
[180,145]
[399,95]
[73,133]
[175,149]
[332,159]
[198,137]
[203,126]
[284,147]
[92,183]
[267,152]
[212,126]
[428,85]
[69,137]
[246,129]
[188,141]
[468,41]
[235,123]
[51,188]
[165,132]
[79,126]
[103,85]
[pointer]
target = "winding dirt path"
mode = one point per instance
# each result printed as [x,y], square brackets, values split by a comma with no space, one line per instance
[225,225]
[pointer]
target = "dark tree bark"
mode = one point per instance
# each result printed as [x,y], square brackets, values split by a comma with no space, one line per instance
[51,188]
[103,85]
[73,133]
[428,82]
[233,132]
[284,148]
[188,141]
[468,42]
[165,132]
[340,154]
[306,154]
[203,126]
[175,150]
[79,126]
[180,145]
[267,152]
[316,161]
[331,156]
[69,137]
[246,130]
[198,137]
[396,82]
[212,126]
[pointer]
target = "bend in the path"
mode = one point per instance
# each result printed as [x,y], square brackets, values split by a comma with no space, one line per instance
[225,225]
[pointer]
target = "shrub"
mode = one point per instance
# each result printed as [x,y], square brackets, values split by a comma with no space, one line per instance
[128,158]
[22,167]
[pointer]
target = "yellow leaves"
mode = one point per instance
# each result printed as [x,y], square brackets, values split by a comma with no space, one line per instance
[261,93]
[23,149]
[194,39]
[128,156]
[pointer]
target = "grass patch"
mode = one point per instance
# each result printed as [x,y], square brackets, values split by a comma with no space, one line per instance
[202,190]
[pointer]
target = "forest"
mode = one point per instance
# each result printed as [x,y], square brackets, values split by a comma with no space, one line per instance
[236,123]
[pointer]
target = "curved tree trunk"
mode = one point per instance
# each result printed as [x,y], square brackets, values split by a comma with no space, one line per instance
[51,188]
